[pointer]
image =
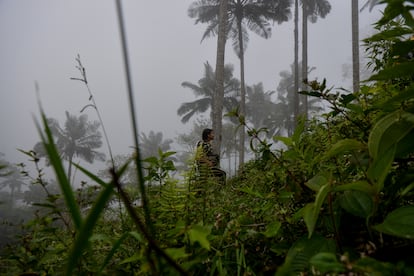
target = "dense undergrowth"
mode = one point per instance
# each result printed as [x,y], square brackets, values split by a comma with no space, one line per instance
[337,200]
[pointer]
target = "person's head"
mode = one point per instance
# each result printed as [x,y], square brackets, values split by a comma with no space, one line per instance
[207,135]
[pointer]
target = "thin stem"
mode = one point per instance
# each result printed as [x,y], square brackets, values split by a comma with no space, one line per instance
[140,175]
[84,79]
[92,98]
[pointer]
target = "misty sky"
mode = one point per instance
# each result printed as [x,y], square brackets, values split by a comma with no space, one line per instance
[41,39]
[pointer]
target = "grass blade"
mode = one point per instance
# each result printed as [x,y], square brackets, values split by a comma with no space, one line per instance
[85,232]
[62,179]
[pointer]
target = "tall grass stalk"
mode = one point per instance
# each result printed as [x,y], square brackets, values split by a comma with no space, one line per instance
[138,164]
[140,175]
[83,79]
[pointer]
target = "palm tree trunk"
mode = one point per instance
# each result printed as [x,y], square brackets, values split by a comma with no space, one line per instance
[219,91]
[242,94]
[229,163]
[304,99]
[296,66]
[355,46]
[70,168]
[235,158]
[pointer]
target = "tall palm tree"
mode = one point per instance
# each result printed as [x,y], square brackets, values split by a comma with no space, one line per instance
[219,91]
[78,138]
[151,143]
[355,45]
[243,15]
[10,177]
[259,105]
[311,10]
[284,120]
[296,64]
[205,89]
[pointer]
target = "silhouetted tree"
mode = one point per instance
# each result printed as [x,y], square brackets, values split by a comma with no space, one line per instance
[205,89]
[218,98]
[151,143]
[259,105]
[311,10]
[296,65]
[78,138]
[355,45]
[10,177]
[283,117]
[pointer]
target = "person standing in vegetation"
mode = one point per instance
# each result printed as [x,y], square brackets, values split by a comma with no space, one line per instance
[207,161]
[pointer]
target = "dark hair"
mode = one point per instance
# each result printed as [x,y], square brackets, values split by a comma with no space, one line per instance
[206,133]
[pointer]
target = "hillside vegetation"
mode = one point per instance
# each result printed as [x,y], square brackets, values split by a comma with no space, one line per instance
[337,199]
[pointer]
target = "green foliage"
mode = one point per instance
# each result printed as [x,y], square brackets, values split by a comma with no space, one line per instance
[399,223]
[159,168]
[336,198]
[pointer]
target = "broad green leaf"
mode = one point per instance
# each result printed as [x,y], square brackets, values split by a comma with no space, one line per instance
[177,253]
[399,70]
[399,222]
[346,99]
[326,262]
[199,233]
[396,101]
[298,131]
[402,48]
[357,203]
[309,217]
[388,131]
[390,34]
[286,140]
[361,185]
[379,168]
[316,182]
[357,108]
[312,210]
[383,141]
[151,159]
[344,146]
[378,131]
[168,154]
[272,229]
[405,145]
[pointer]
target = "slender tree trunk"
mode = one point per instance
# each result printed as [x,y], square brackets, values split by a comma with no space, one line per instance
[296,66]
[304,98]
[235,158]
[229,163]
[355,46]
[242,95]
[70,168]
[219,91]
